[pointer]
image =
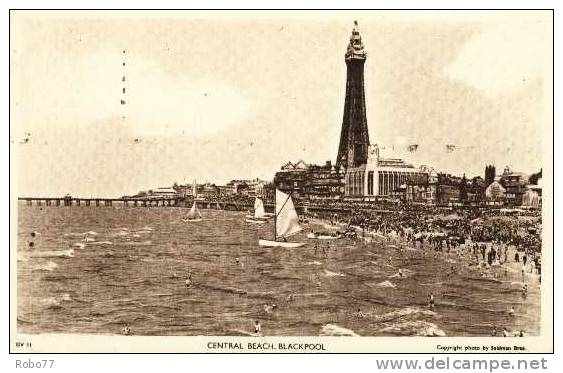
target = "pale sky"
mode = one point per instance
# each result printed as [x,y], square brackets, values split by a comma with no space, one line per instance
[237,95]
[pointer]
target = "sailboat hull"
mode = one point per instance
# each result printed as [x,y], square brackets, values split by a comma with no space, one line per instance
[313,236]
[252,217]
[269,243]
[192,220]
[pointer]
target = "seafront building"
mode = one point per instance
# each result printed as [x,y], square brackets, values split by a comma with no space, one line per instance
[251,187]
[310,181]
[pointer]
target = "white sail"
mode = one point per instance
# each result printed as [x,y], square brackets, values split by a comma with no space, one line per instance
[287,221]
[256,203]
[259,211]
[193,213]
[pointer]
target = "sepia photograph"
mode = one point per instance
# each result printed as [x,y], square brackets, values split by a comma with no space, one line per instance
[281,181]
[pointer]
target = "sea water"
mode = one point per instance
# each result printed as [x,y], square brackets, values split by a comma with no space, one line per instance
[97,269]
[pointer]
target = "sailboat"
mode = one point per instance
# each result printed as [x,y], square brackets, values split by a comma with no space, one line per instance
[260,216]
[286,223]
[193,215]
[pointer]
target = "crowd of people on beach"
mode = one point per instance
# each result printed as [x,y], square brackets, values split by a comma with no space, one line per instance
[487,236]
[445,227]
[484,238]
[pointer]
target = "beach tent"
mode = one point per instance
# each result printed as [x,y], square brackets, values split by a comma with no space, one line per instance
[449,217]
[531,198]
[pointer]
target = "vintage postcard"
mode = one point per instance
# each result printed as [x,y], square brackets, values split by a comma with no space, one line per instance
[281,181]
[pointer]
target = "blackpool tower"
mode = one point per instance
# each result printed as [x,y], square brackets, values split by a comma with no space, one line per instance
[354,137]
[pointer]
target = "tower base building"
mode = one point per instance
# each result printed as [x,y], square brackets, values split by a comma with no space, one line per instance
[381,177]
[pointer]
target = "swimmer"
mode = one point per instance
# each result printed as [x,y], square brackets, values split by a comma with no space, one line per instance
[269,309]
[525,290]
[257,328]
[126,330]
[431,300]
[290,298]
[494,332]
[400,273]
[238,262]
[511,311]
[521,333]
[504,332]
[189,280]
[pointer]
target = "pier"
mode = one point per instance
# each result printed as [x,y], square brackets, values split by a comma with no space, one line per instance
[102,202]
[172,202]
[136,202]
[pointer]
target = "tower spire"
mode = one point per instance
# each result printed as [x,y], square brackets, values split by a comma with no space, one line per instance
[355,47]
[354,137]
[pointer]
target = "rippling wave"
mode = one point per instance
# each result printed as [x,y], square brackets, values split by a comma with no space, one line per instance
[97,269]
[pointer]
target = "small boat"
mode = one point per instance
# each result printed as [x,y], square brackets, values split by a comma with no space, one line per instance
[254,221]
[260,216]
[286,223]
[321,236]
[193,215]
[259,204]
